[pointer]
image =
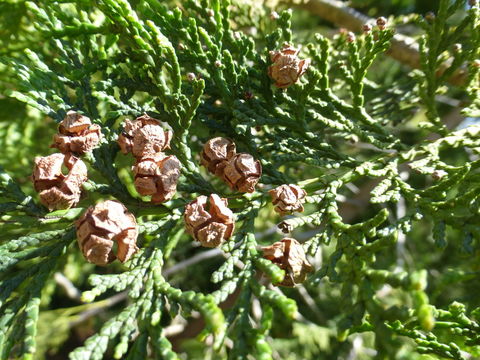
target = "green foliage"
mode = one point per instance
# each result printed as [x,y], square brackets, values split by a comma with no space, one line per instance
[382,274]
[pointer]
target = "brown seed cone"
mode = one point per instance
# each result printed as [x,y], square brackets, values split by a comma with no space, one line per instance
[157,176]
[102,225]
[215,154]
[145,136]
[58,191]
[242,172]
[76,134]
[288,198]
[289,255]
[212,225]
[286,67]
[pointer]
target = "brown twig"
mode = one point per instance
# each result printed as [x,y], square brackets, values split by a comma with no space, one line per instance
[404,49]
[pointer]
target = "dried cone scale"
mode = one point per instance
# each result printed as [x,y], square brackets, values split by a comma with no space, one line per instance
[210,224]
[56,190]
[145,136]
[157,176]
[242,172]
[101,226]
[289,255]
[215,154]
[288,198]
[76,134]
[286,67]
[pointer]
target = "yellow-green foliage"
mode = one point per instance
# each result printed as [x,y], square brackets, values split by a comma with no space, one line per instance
[391,219]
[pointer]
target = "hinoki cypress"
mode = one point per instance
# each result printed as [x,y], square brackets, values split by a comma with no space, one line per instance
[266,121]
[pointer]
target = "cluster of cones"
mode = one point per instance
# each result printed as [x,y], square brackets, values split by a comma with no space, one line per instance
[58,177]
[211,222]
[156,174]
